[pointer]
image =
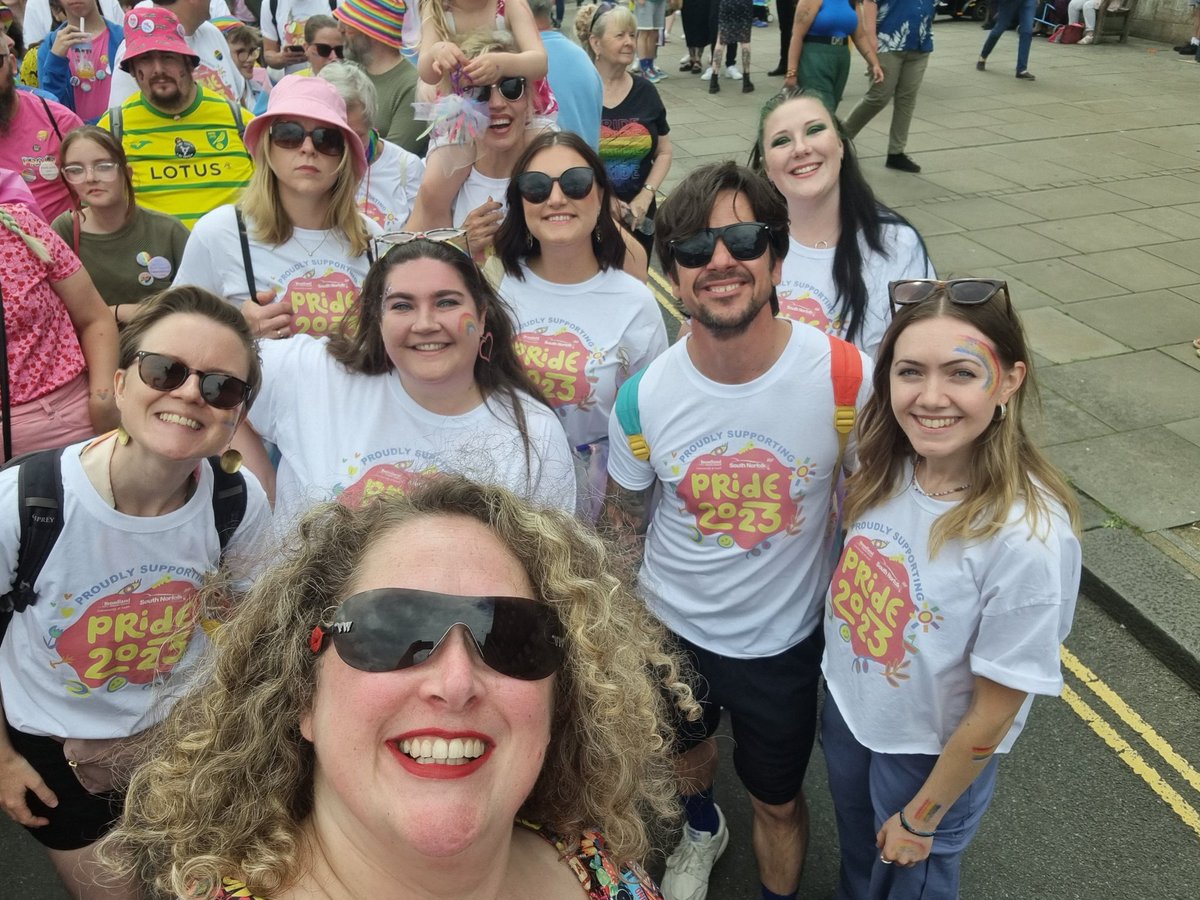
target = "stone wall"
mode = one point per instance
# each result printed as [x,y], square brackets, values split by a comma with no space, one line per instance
[1169,21]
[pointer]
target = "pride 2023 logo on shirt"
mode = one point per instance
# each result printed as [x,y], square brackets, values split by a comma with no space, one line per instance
[557,364]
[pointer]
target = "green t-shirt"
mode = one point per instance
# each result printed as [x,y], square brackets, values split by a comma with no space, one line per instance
[397,89]
[135,261]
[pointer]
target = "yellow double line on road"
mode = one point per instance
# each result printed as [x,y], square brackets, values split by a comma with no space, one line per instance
[1124,750]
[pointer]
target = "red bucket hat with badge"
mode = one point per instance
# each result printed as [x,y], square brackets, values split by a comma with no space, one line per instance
[153,28]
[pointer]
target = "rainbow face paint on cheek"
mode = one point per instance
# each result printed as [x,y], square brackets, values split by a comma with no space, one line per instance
[468,324]
[983,354]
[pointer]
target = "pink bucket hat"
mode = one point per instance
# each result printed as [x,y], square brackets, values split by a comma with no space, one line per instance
[305,96]
[154,28]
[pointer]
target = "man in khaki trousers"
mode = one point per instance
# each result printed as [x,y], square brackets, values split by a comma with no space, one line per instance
[904,29]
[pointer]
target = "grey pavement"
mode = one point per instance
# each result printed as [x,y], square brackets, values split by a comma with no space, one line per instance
[1082,190]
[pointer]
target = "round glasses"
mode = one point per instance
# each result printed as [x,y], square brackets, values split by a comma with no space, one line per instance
[576,183]
[76,173]
[326,139]
[512,88]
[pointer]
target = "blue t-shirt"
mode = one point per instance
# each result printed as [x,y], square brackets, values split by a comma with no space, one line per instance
[835,18]
[576,85]
[905,25]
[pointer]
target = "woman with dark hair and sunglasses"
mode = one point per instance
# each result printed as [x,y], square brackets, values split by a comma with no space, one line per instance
[297,237]
[584,325]
[845,245]
[966,537]
[129,252]
[108,640]
[429,382]
[448,694]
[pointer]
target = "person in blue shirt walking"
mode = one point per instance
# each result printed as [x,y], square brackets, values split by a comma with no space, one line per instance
[904,29]
[572,77]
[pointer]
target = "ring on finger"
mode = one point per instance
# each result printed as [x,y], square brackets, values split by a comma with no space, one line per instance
[886,862]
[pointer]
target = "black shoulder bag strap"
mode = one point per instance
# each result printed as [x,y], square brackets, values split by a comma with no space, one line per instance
[228,501]
[246,264]
[40,507]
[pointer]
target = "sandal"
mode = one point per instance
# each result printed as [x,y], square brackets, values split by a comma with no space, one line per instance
[1196,346]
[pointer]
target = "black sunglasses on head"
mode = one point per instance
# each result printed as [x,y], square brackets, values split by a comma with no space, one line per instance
[960,291]
[576,183]
[744,241]
[323,50]
[389,629]
[326,139]
[165,373]
[512,88]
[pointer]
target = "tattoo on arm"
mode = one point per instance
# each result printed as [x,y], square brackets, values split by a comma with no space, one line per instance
[927,810]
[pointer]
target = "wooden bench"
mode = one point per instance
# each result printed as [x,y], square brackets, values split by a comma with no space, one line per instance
[1113,17]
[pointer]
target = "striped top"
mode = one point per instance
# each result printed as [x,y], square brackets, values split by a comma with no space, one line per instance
[187,164]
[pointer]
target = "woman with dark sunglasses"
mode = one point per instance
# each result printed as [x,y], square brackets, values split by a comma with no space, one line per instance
[428,383]
[583,325]
[457,698]
[108,639]
[296,246]
[845,245]
[955,588]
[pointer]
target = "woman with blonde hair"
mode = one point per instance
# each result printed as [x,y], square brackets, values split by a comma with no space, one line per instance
[296,245]
[130,253]
[446,694]
[955,588]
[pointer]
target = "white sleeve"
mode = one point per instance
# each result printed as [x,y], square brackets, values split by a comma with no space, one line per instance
[207,256]
[38,22]
[554,480]
[111,10]
[266,24]
[412,171]
[123,85]
[283,363]
[623,467]
[218,9]
[649,322]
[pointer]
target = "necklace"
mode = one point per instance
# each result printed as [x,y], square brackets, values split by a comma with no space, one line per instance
[924,493]
[821,245]
[311,253]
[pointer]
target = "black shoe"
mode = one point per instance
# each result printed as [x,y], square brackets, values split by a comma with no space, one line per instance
[747,85]
[780,69]
[1026,76]
[714,86]
[902,162]
[988,26]
[1186,49]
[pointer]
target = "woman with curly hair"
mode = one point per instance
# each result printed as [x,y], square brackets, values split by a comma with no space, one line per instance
[845,245]
[446,694]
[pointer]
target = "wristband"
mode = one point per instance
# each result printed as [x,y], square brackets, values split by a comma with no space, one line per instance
[646,187]
[791,73]
[904,824]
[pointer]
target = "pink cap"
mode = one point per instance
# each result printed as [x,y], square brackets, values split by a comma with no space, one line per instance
[154,28]
[305,96]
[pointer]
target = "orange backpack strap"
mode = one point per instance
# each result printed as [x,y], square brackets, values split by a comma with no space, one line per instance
[845,365]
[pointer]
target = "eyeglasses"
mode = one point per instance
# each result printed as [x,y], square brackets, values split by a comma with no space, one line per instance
[323,50]
[510,89]
[744,241]
[389,629]
[101,171]
[325,139]
[961,291]
[455,237]
[576,183]
[165,373]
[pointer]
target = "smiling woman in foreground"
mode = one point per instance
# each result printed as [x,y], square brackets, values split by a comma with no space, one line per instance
[447,694]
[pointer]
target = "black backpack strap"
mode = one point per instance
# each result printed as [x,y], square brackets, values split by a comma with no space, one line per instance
[238,121]
[40,508]
[228,501]
[246,264]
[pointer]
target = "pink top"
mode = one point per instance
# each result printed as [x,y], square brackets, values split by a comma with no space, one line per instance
[90,66]
[43,350]
[31,149]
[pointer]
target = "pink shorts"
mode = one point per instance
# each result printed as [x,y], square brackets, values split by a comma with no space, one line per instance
[54,419]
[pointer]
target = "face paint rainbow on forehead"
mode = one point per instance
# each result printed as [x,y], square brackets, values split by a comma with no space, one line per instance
[981,352]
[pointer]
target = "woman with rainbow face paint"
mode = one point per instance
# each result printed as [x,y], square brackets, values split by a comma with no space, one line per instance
[956,585]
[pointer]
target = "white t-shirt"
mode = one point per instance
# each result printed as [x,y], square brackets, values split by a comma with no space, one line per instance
[349,436]
[314,269]
[580,342]
[738,554]
[39,23]
[475,192]
[290,16]
[92,657]
[807,292]
[217,72]
[388,190]
[905,635]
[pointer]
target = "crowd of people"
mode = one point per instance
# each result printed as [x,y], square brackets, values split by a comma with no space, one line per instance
[366,536]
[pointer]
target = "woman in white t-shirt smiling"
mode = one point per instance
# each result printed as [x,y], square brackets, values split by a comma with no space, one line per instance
[428,383]
[845,246]
[584,326]
[297,237]
[955,588]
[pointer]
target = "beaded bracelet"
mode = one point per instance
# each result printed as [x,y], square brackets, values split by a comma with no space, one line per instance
[904,824]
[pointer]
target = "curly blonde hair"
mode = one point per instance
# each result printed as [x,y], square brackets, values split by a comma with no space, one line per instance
[230,781]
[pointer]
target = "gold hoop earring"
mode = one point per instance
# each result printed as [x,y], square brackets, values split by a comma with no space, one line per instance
[122,436]
[231,461]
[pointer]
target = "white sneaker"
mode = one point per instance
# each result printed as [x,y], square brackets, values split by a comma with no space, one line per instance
[688,867]
[734,73]
[707,74]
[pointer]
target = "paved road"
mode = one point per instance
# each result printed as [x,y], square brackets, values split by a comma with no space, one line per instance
[1072,820]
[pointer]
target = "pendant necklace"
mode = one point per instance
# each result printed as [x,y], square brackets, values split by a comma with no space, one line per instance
[934,494]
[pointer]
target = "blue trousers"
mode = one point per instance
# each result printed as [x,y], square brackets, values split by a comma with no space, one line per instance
[1022,11]
[868,789]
